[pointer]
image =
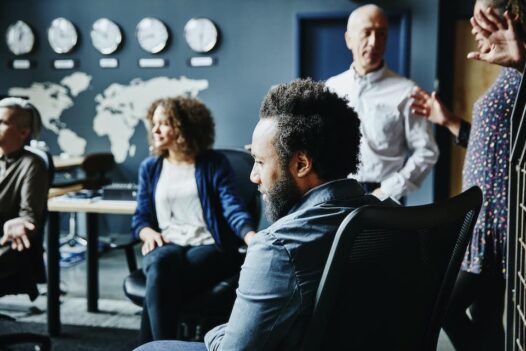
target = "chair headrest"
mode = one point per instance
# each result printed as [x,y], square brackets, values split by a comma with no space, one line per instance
[98,163]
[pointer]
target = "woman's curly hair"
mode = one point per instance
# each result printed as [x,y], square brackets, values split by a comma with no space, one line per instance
[191,118]
[516,8]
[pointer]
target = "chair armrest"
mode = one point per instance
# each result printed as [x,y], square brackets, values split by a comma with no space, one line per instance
[128,246]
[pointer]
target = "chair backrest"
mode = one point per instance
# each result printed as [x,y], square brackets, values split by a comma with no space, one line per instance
[95,166]
[46,157]
[242,162]
[389,276]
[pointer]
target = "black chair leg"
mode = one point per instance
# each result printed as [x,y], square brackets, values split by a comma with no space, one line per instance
[5,317]
[131,259]
[43,341]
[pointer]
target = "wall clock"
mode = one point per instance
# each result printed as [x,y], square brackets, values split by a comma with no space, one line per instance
[20,38]
[152,35]
[200,34]
[62,35]
[106,36]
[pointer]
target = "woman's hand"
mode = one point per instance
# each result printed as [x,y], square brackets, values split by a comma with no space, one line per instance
[430,106]
[504,46]
[151,239]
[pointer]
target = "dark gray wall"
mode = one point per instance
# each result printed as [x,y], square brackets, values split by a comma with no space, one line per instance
[257,50]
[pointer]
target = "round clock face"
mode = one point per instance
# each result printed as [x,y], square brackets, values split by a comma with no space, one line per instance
[62,35]
[152,35]
[20,38]
[106,36]
[200,34]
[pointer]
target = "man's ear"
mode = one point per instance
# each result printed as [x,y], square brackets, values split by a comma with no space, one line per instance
[301,164]
[348,40]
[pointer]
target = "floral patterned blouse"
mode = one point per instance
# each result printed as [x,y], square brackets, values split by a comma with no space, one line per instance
[486,165]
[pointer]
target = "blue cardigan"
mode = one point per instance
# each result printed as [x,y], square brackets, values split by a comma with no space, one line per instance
[225,216]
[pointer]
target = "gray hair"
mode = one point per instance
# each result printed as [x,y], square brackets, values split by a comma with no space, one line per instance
[357,12]
[25,105]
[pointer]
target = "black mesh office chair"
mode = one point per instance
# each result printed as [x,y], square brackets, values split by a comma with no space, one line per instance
[43,341]
[212,307]
[389,276]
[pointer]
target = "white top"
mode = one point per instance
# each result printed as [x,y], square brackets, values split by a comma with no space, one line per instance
[397,148]
[178,207]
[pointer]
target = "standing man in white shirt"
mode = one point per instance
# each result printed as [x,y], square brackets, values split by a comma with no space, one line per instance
[397,149]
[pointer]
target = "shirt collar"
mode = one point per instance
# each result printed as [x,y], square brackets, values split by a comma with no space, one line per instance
[328,192]
[7,160]
[12,157]
[370,77]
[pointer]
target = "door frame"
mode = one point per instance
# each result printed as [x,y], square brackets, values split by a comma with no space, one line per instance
[404,41]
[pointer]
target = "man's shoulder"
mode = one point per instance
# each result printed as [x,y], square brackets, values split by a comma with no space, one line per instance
[338,80]
[397,81]
[31,159]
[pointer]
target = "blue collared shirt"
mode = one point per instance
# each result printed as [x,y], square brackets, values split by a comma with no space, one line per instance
[282,271]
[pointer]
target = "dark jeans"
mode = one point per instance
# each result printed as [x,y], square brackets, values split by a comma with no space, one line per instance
[174,274]
[17,274]
[172,346]
[483,294]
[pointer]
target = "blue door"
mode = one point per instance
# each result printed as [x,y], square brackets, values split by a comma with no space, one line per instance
[321,51]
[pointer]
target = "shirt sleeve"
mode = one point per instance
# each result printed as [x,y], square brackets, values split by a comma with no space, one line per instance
[234,211]
[144,213]
[463,134]
[424,154]
[267,302]
[33,194]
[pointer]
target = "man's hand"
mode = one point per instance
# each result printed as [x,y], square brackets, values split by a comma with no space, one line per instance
[505,46]
[151,239]
[430,106]
[248,237]
[16,231]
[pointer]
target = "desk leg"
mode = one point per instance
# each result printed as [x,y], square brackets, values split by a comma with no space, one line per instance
[53,275]
[92,262]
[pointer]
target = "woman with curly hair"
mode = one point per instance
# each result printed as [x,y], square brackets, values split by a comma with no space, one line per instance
[188,215]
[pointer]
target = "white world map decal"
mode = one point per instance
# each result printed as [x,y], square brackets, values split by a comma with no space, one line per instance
[119,108]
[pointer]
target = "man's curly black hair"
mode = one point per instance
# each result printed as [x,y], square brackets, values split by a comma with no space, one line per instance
[316,121]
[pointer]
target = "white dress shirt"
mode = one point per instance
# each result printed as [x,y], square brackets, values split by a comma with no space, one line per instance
[179,211]
[397,148]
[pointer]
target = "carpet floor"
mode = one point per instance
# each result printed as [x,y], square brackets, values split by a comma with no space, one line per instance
[75,337]
[114,327]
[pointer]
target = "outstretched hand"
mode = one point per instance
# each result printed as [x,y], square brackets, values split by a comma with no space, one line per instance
[16,232]
[505,48]
[430,107]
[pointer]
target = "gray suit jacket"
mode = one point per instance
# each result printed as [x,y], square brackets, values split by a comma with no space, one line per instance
[23,193]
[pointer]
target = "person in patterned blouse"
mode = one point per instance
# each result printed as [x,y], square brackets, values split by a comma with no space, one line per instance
[481,283]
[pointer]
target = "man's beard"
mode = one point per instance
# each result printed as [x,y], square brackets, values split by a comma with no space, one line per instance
[281,197]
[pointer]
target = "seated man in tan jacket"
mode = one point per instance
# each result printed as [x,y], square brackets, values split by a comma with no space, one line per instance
[23,196]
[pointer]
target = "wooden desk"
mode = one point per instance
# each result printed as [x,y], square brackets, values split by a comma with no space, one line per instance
[92,208]
[54,192]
